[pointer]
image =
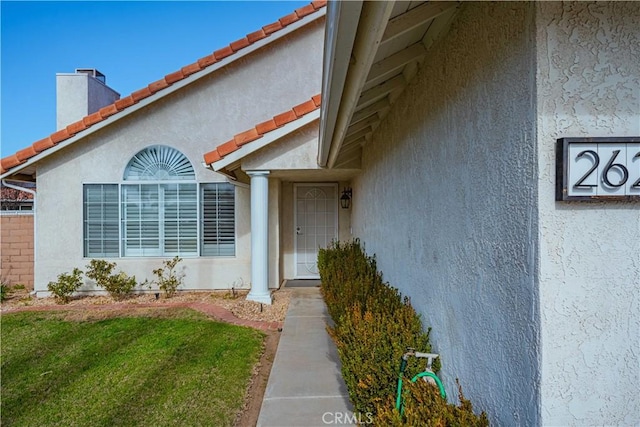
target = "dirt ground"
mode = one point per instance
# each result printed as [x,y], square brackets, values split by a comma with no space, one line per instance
[93,307]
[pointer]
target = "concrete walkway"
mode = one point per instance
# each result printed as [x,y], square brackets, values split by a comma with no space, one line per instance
[305,387]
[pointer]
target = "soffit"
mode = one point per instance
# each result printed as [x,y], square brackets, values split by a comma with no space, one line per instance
[410,30]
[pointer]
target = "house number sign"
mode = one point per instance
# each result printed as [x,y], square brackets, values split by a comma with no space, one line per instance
[598,168]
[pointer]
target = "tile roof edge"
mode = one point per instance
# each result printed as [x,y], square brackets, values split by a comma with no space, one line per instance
[261,129]
[27,154]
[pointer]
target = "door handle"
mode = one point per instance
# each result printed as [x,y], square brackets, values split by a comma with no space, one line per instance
[298,231]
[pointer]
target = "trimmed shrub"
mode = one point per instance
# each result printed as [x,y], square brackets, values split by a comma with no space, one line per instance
[423,406]
[3,291]
[66,285]
[373,326]
[167,279]
[118,285]
[370,345]
[348,276]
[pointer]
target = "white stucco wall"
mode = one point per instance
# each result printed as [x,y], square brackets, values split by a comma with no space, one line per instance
[275,204]
[194,120]
[588,85]
[60,215]
[447,202]
[296,151]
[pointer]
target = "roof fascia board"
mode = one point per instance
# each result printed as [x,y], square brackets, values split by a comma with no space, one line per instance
[265,140]
[341,27]
[373,22]
[171,89]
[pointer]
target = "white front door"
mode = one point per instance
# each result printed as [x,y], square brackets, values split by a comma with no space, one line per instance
[315,225]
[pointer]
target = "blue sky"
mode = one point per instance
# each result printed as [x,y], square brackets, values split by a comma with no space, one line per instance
[133,43]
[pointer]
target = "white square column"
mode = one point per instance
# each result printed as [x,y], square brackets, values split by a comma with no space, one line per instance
[259,237]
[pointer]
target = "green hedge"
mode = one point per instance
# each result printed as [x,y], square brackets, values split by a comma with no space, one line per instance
[373,326]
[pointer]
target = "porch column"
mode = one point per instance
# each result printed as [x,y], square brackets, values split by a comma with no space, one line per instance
[259,237]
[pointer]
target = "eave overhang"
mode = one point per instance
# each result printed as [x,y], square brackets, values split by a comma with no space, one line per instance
[372,51]
[228,164]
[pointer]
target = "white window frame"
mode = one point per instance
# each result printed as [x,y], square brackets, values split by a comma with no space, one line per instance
[160,166]
[84,221]
[160,250]
[199,221]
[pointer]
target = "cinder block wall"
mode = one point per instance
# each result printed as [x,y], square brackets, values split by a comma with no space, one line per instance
[16,249]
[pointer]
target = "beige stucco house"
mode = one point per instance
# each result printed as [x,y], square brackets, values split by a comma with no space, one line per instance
[134,166]
[443,119]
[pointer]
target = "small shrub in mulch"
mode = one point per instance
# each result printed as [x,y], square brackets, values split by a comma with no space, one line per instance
[119,286]
[66,285]
[168,279]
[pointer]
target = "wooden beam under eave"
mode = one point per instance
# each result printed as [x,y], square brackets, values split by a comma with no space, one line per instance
[352,145]
[357,135]
[350,158]
[378,92]
[439,27]
[415,17]
[354,131]
[378,107]
[393,64]
[353,162]
[368,122]
[371,26]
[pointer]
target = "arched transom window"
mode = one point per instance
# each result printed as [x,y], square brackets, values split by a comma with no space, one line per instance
[159,163]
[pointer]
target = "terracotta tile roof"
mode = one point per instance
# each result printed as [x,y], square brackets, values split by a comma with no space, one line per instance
[52,140]
[259,130]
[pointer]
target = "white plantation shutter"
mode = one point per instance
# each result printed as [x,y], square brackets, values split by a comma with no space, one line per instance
[101,220]
[141,220]
[180,219]
[218,219]
[160,219]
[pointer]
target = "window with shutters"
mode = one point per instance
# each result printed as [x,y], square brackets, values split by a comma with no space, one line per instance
[156,211]
[101,220]
[218,219]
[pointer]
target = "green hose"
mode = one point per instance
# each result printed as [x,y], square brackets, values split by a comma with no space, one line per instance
[435,378]
[399,397]
[403,365]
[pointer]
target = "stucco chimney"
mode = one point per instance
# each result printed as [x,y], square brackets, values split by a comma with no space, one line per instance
[80,94]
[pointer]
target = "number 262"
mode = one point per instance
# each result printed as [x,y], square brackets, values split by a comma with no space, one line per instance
[611,166]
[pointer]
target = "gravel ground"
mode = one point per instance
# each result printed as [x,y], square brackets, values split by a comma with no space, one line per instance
[235,302]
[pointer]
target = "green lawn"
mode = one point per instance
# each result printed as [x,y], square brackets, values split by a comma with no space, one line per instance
[168,369]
